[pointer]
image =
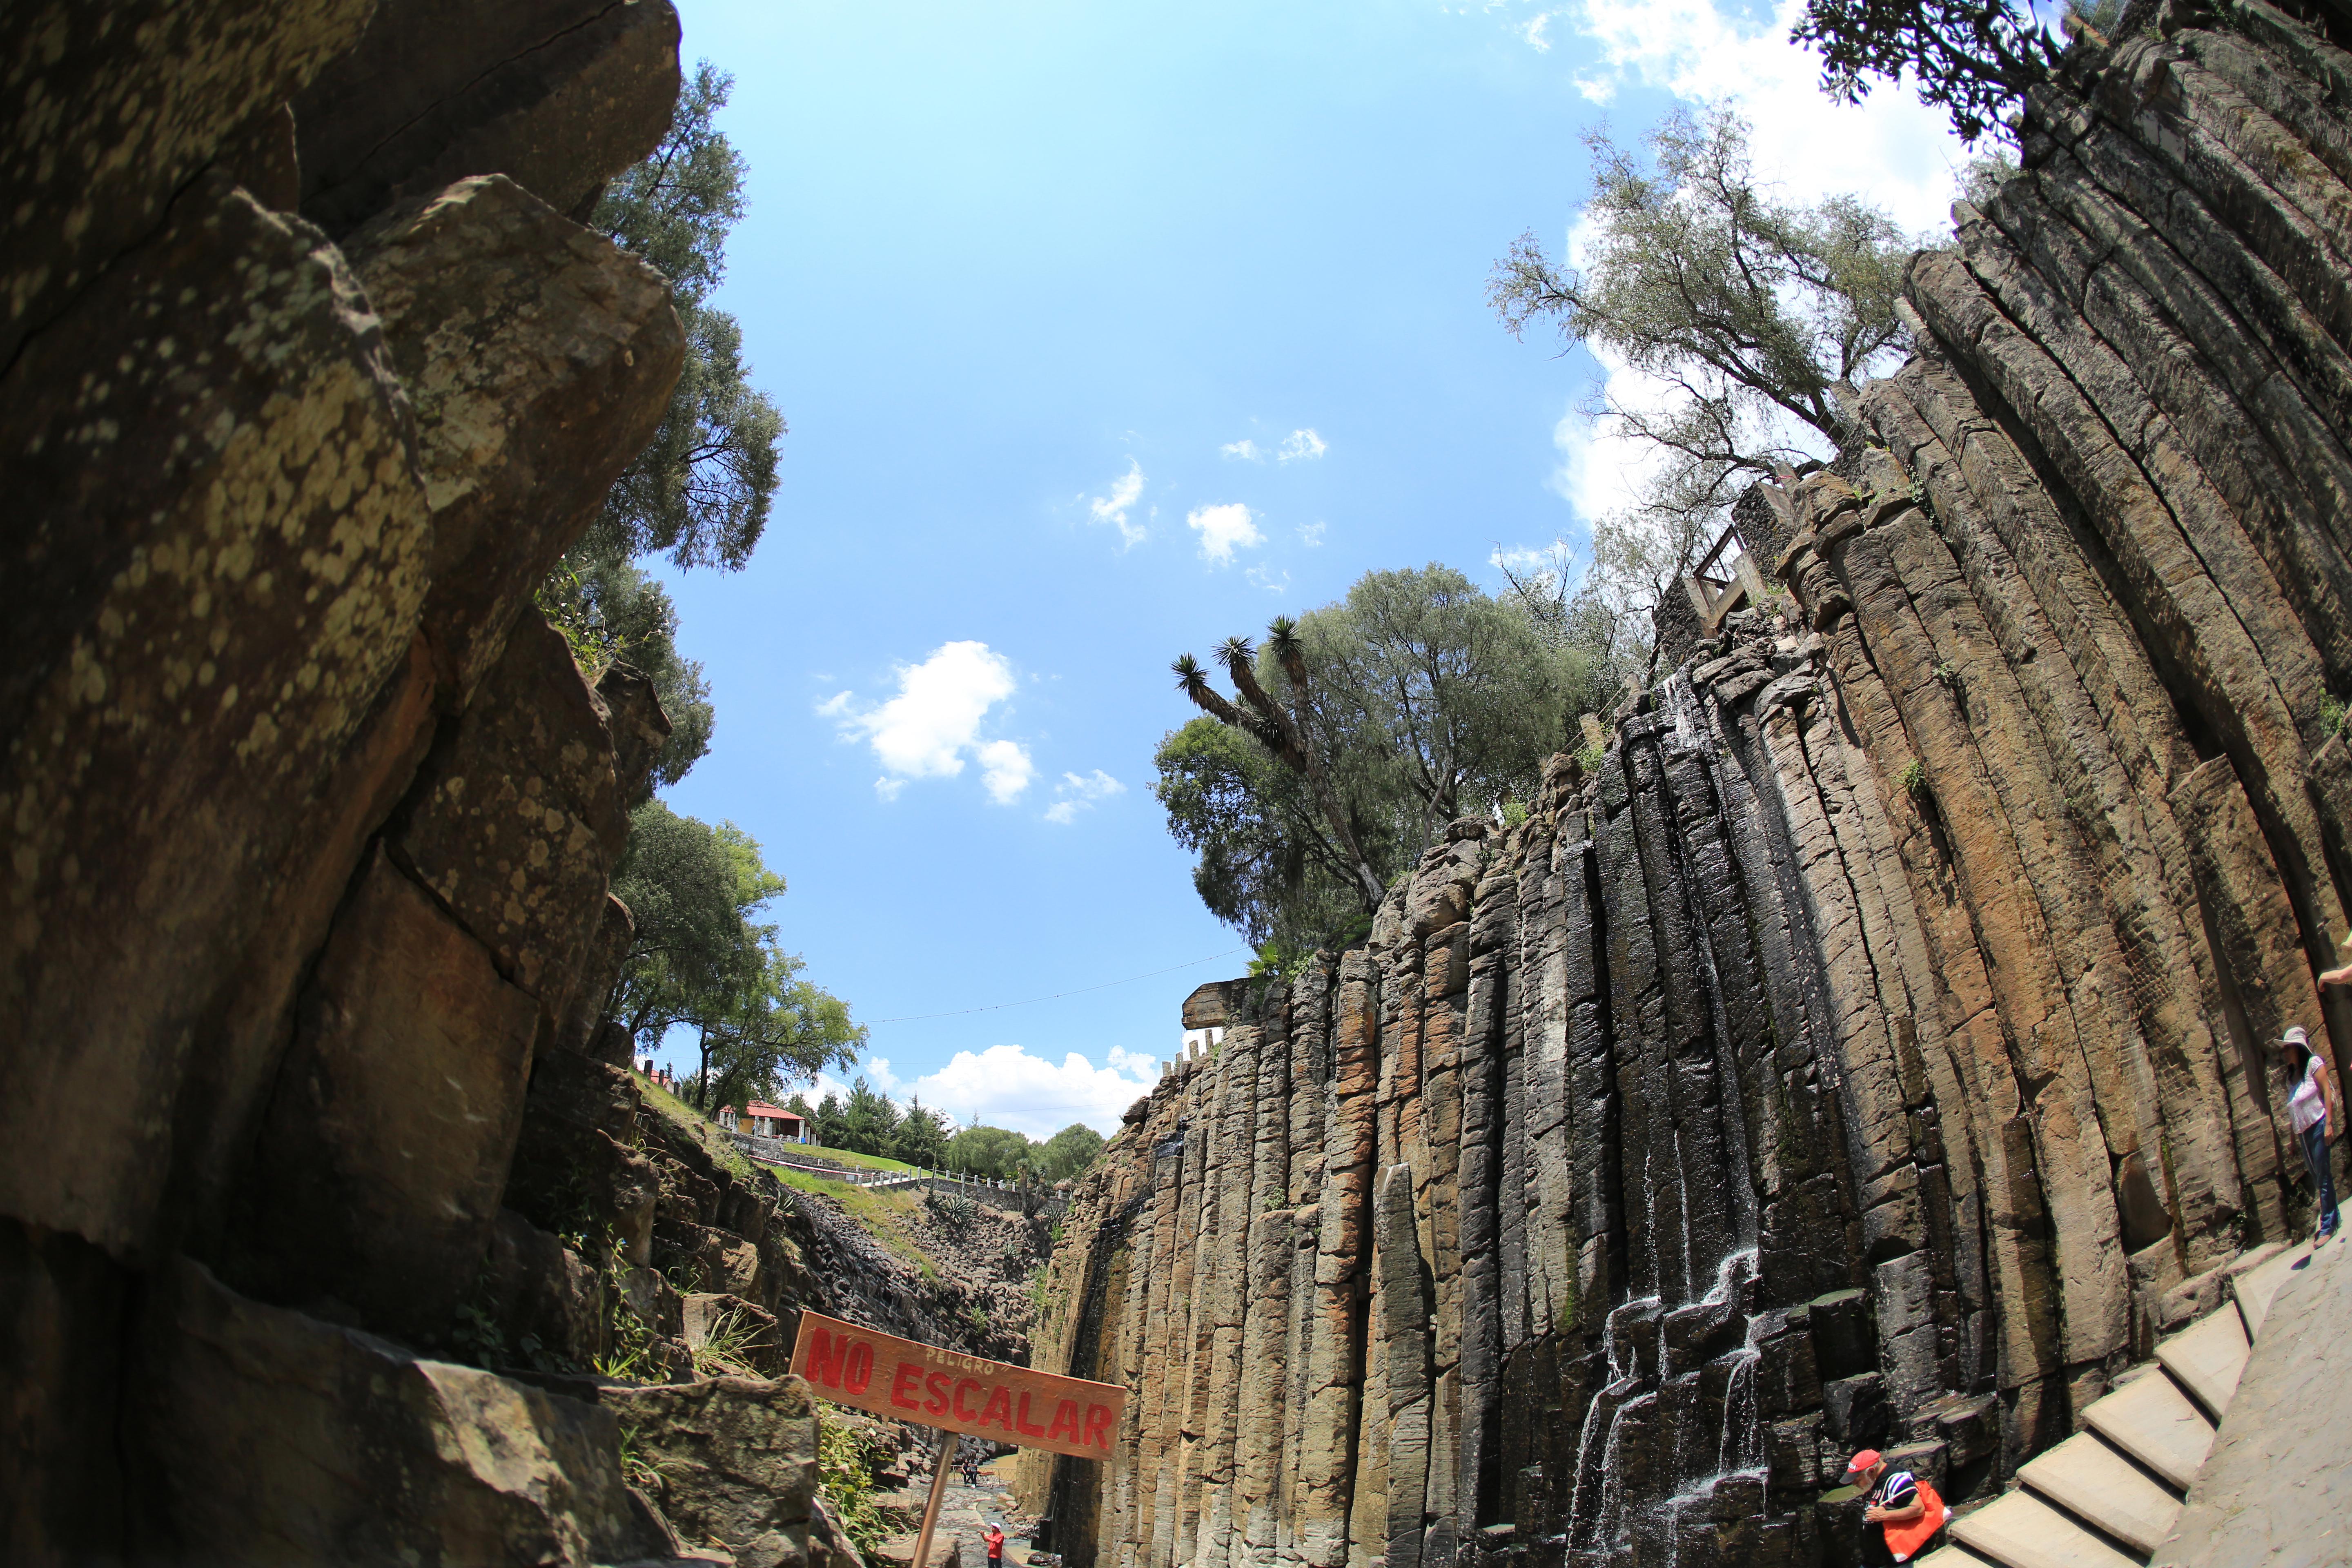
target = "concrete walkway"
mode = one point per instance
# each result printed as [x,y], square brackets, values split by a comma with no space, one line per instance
[2277,1490]
[2229,1413]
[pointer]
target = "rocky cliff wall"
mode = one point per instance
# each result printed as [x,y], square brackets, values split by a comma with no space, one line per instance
[1870,1050]
[308,374]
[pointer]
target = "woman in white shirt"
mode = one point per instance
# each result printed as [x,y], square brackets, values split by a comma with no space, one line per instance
[2307,1109]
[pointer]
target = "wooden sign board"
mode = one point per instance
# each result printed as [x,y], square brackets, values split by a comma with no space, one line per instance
[873,1370]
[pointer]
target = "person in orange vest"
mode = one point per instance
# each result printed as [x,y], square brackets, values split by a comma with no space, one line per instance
[994,1539]
[1901,1513]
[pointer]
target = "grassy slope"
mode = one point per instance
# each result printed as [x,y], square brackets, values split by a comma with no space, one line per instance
[880,1214]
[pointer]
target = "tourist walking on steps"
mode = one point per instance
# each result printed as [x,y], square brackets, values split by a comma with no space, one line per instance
[2309,1109]
[1900,1512]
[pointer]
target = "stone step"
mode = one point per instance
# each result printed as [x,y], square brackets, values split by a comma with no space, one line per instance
[2088,1479]
[1951,1557]
[2021,1531]
[2207,1359]
[2256,1287]
[2150,1419]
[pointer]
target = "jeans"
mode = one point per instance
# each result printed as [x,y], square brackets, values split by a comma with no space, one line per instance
[2315,1154]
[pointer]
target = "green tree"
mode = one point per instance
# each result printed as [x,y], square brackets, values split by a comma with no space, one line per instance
[1756,317]
[1262,858]
[774,1030]
[998,1152]
[1068,1151]
[1973,58]
[699,493]
[1362,728]
[922,1135]
[700,958]
[693,890]
[868,1121]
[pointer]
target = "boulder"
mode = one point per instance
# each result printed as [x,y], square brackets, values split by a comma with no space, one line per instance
[516,821]
[575,1166]
[268,1436]
[542,1299]
[733,1330]
[561,95]
[640,728]
[219,545]
[538,359]
[730,1460]
[116,108]
[384,1152]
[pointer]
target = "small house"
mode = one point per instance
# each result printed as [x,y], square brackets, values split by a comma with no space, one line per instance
[761,1120]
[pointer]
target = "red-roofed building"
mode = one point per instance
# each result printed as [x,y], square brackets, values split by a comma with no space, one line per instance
[763,1121]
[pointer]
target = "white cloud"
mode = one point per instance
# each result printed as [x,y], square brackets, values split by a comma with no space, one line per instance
[1535,30]
[1005,769]
[1311,534]
[934,722]
[1245,450]
[1079,791]
[1125,492]
[1005,1086]
[1302,444]
[1265,577]
[1890,147]
[1223,530]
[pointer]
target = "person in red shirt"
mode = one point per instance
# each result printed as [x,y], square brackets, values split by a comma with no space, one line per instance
[995,1541]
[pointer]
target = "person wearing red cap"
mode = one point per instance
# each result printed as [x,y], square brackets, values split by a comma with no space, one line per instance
[1890,1498]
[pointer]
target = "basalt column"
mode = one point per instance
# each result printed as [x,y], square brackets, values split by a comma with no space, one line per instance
[1867,1050]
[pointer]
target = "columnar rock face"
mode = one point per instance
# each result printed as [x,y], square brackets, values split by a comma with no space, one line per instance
[1857,1055]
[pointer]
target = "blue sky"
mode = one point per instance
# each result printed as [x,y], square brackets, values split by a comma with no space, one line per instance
[1105,331]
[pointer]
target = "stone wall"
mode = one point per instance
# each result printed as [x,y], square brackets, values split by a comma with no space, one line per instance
[1862,1055]
[308,374]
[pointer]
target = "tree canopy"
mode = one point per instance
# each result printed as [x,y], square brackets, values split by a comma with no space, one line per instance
[1973,58]
[701,959]
[1356,734]
[1750,319]
[868,1121]
[701,492]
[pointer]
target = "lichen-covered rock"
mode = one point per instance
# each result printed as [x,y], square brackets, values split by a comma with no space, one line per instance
[538,357]
[515,824]
[111,108]
[221,543]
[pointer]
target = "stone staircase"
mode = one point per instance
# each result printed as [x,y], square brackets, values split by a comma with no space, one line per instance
[2108,1496]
